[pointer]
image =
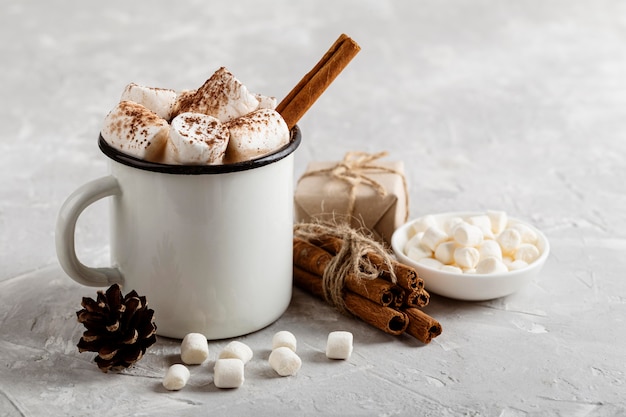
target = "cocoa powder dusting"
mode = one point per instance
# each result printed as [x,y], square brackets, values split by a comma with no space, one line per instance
[212,96]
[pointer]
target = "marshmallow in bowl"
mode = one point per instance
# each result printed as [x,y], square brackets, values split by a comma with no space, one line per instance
[483,243]
[221,96]
[136,130]
[196,139]
[256,134]
[159,100]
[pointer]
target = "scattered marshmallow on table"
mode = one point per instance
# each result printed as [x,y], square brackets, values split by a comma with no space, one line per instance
[482,243]
[194,349]
[284,338]
[228,373]
[285,361]
[176,377]
[236,350]
[339,345]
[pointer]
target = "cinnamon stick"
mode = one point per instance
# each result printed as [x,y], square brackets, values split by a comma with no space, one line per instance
[316,81]
[422,326]
[406,276]
[418,298]
[315,260]
[383,318]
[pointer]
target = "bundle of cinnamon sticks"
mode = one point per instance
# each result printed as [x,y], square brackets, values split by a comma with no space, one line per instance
[391,307]
[392,299]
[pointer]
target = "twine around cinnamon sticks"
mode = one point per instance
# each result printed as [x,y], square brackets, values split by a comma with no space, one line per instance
[358,276]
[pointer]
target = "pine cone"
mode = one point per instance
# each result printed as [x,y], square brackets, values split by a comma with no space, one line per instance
[119,328]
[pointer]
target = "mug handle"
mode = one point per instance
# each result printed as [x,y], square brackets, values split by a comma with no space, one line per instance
[78,201]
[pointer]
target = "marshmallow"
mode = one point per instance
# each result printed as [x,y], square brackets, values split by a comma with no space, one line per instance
[498,220]
[451,268]
[466,244]
[527,253]
[182,98]
[490,265]
[197,139]
[135,130]
[285,361]
[483,222]
[445,252]
[418,252]
[194,349]
[423,223]
[236,350]
[466,257]
[466,234]
[221,96]
[266,102]
[509,240]
[159,100]
[228,373]
[339,345]
[256,134]
[451,223]
[517,264]
[527,234]
[430,263]
[490,247]
[176,377]
[433,236]
[284,338]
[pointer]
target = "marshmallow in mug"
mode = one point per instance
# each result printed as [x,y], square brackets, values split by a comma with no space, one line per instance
[256,134]
[485,244]
[140,124]
[133,129]
[159,100]
[196,138]
[221,96]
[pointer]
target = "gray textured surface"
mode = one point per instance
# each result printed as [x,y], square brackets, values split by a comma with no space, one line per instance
[516,106]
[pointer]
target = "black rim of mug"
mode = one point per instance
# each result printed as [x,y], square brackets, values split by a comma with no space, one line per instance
[134,162]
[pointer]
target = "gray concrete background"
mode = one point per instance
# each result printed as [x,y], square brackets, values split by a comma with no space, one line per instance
[518,106]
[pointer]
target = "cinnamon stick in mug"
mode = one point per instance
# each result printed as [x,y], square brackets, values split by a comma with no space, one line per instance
[316,81]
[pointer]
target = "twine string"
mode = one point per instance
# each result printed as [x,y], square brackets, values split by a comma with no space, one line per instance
[351,259]
[353,170]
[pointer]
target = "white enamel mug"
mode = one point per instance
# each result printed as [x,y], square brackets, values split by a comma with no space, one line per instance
[209,246]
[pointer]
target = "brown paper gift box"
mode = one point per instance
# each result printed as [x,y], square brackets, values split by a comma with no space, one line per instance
[321,196]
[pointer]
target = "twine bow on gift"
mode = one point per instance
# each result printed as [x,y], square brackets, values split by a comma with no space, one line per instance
[353,170]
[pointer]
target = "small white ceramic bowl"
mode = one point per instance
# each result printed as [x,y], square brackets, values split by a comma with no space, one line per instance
[470,287]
